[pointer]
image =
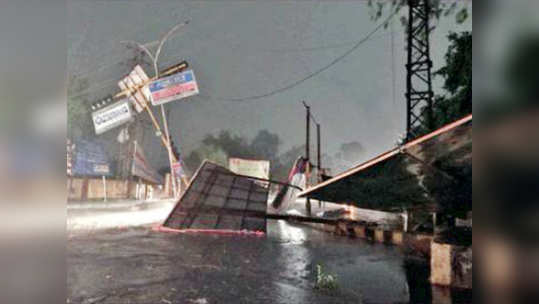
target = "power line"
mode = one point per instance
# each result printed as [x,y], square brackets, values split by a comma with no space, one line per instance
[112,82]
[315,73]
[115,46]
[279,90]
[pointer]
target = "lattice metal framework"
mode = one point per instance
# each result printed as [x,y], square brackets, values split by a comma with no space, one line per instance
[218,199]
[419,95]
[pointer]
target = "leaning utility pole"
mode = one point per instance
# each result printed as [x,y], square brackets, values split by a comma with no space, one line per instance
[155,57]
[419,95]
[307,155]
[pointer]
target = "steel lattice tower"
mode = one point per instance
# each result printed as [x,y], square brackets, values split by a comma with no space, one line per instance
[419,95]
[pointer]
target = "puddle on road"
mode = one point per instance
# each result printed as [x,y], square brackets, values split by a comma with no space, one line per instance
[377,272]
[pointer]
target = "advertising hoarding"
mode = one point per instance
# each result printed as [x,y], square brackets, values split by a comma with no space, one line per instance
[112,116]
[133,81]
[174,87]
[248,167]
[90,159]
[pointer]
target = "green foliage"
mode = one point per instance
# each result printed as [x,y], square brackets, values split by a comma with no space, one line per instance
[452,196]
[79,122]
[456,100]
[233,145]
[457,74]
[214,154]
[218,148]
[324,281]
[438,9]
[266,145]
[211,153]
[389,185]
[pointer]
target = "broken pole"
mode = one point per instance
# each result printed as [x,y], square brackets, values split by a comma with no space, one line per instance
[319,160]
[307,155]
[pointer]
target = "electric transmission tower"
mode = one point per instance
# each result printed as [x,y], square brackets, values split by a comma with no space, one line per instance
[419,95]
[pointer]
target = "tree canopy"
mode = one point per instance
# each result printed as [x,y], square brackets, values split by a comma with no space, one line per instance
[456,102]
[439,9]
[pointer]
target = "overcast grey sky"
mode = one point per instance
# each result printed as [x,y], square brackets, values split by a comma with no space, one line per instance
[245,48]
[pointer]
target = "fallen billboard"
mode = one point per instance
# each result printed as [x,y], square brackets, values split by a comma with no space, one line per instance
[217,200]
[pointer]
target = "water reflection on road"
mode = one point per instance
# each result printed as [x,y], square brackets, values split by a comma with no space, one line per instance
[372,272]
[296,264]
[137,265]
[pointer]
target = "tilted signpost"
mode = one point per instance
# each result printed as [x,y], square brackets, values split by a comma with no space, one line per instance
[174,87]
[112,116]
[136,78]
[139,90]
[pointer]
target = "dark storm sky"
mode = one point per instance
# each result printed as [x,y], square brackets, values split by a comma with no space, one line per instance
[244,48]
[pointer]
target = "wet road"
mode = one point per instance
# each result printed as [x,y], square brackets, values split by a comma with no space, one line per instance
[137,265]
[134,264]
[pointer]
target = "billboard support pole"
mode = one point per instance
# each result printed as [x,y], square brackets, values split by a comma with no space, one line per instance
[170,156]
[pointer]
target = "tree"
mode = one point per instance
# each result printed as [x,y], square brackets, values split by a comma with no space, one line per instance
[457,74]
[456,100]
[266,145]
[438,9]
[233,145]
[206,152]
[453,195]
[79,122]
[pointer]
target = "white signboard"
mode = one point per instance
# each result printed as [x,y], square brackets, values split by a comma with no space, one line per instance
[133,81]
[112,116]
[174,87]
[254,168]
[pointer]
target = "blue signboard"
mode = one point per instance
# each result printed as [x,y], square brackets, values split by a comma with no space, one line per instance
[90,159]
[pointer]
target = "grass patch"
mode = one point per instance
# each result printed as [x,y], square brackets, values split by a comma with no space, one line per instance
[325,281]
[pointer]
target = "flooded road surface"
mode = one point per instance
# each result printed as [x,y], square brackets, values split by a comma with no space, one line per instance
[138,265]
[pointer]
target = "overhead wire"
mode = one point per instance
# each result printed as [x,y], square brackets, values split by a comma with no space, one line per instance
[112,82]
[284,88]
[108,65]
[315,73]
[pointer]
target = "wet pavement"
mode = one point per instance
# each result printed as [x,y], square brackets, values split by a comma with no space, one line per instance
[95,216]
[138,265]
